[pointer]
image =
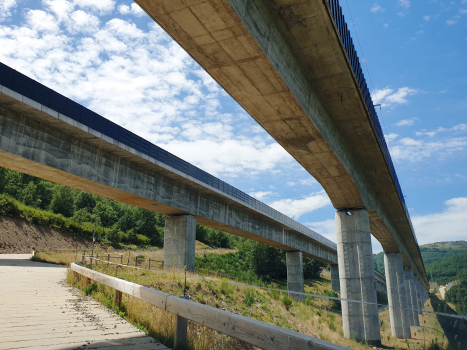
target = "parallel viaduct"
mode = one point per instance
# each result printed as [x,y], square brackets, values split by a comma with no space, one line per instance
[292,66]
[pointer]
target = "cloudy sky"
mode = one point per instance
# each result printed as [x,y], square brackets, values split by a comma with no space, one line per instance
[111,57]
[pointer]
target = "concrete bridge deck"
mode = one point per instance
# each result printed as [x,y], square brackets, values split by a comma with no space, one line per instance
[39,311]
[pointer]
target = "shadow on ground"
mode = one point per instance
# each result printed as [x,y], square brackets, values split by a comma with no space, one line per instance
[455,329]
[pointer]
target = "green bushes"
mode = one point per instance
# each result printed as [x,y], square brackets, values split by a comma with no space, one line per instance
[249,297]
[287,301]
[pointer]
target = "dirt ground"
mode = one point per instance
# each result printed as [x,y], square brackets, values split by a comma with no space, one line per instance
[18,236]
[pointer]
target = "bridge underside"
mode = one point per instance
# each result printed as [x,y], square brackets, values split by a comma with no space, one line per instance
[284,63]
[66,152]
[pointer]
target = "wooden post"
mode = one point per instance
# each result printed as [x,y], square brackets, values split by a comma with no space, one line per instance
[118,297]
[88,281]
[108,258]
[121,259]
[136,261]
[97,257]
[149,264]
[180,331]
[128,263]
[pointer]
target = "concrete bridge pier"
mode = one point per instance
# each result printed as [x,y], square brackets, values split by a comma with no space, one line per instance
[420,302]
[335,283]
[411,297]
[179,242]
[295,281]
[397,298]
[357,276]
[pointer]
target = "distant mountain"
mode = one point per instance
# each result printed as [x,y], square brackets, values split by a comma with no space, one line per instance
[431,253]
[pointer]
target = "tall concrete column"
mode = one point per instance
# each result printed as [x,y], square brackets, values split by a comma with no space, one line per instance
[179,242]
[411,298]
[420,303]
[295,281]
[335,283]
[397,298]
[357,277]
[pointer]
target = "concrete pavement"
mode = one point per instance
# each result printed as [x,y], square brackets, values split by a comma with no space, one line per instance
[38,310]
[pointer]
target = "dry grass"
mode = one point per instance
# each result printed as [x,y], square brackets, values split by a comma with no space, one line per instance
[307,318]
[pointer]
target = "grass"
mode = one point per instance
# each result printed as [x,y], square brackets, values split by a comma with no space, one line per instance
[308,318]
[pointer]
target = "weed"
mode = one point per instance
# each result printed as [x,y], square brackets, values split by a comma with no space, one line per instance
[249,297]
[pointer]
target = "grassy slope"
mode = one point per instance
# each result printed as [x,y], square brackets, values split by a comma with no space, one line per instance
[268,306]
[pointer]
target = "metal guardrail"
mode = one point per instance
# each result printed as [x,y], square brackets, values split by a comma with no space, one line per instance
[35,91]
[257,333]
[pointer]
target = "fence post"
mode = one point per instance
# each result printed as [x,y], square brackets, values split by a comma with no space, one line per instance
[149,264]
[118,297]
[180,330]
[136,261]
[108,258]
[121,259]
[128,263]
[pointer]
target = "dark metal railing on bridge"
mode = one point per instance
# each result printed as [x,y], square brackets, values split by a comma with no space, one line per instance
[336,11]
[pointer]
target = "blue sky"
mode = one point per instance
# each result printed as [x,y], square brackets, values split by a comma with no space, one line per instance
[111,57]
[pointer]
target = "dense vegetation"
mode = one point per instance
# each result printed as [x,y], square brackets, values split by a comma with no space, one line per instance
[255,263]
[446,270]
[431,253]
[46,203]
[70,210]
[458,294]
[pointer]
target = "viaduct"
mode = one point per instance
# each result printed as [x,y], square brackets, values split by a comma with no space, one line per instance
[292,66]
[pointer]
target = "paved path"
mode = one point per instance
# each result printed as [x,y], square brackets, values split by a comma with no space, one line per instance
[39,311]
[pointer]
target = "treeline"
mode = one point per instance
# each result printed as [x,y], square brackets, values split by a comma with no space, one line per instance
[458,294]
[46,203]
[446,270]
[70,210]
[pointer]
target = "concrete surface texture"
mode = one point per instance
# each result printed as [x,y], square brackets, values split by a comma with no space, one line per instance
[39,311]
[59,149]
[284,63]
[295,281]
[179,242]
[357,277]
[412,296]
[393,268]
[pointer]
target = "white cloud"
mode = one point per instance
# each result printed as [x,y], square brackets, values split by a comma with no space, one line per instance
[297,207]
[450,22]
[325,228]
[308,182]
[134,10]
[404,3]
[260,195]
[406,122]
[387,97]
[385,25]
[462,11]
[456,129]
[100,6]
[376,8]
[41,21]
[427,18]
[415,150]
[448,225]
[141,80]
[82,21]
[6,6]
[391,137]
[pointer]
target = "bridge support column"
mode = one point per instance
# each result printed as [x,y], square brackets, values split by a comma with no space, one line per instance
[420,300]
[411,298]
[357,276]
[397,298]
[295,282]
[335,283]
[179,242]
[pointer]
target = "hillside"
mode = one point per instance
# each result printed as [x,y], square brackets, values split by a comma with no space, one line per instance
[431,253]
[446,270]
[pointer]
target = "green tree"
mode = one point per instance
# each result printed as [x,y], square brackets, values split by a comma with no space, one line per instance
[105,211]
[45,191]
[85,200]
[63,202]
[29,195]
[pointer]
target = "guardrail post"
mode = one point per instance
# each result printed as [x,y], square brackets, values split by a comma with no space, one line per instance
[181,325]
[118,297]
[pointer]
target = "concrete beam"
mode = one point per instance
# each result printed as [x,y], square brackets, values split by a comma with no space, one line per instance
[357,277]
[284,63]
[41,142]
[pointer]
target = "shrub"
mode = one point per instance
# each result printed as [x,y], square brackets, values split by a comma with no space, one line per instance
[287,301]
